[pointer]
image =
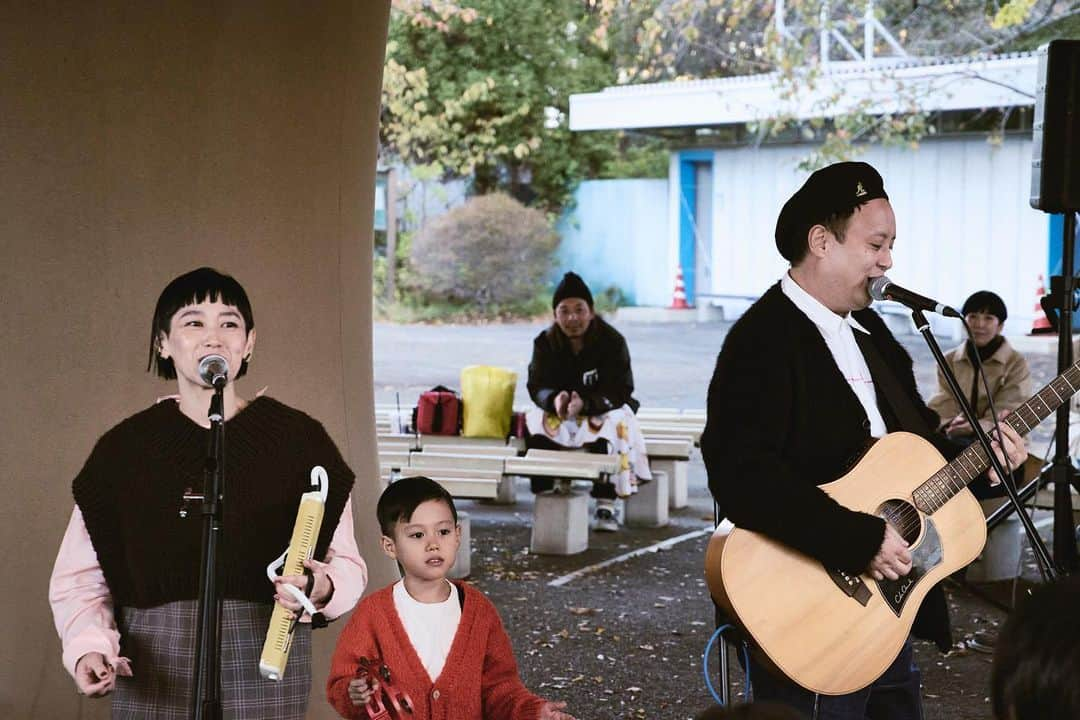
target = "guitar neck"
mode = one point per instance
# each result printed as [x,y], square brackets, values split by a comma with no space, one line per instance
[972,462]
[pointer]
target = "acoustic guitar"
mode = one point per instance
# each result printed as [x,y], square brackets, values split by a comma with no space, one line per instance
[834,633]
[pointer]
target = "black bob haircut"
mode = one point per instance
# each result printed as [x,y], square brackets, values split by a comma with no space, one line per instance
[204,284]
[987,302]
[400,500]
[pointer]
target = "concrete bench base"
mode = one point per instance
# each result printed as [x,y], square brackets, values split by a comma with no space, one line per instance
[463,561]
[676,470]
[648,507]
[560,524]
[505,492]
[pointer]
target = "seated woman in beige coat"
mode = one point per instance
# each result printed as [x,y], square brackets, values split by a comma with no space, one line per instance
[1007,371]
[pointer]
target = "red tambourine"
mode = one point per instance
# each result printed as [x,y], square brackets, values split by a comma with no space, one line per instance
[400,704]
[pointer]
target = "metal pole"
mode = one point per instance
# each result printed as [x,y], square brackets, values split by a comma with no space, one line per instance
[1062,471]
[391,232]
[868,31]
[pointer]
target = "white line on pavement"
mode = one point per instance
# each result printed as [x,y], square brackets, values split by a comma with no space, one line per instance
[662,545]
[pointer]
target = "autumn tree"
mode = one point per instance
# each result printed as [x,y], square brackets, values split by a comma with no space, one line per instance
[482,92]
[657,40]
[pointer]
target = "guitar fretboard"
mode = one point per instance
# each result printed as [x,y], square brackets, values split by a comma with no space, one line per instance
[972,462]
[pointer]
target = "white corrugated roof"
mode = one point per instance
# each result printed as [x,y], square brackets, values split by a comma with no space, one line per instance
[885,85]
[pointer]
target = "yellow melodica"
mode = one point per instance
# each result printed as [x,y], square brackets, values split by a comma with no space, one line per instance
[279,636]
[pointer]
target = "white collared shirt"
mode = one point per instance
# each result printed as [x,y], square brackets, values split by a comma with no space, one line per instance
[840,339]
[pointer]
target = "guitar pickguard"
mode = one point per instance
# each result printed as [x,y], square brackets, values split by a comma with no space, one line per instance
[924,557]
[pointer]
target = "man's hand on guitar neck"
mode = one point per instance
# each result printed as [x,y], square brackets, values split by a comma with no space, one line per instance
[893,559]
[1015,449]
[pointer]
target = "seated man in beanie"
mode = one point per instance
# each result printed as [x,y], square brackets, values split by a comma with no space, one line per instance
[806,379]
[581,382]
[1007,371]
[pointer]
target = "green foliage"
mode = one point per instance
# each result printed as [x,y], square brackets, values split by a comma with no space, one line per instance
[638,157]
[484,92]
[1012,13]
[1064,28]
[609,299]
[491,252]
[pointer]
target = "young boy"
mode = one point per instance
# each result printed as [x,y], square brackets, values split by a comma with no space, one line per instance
[443,642]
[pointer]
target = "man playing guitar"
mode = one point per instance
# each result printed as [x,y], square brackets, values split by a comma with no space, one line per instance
[807,379]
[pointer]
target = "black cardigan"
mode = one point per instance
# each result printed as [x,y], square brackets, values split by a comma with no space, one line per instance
[782,420]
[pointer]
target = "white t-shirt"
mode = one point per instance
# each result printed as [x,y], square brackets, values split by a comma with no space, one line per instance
[430,626]
[840,339]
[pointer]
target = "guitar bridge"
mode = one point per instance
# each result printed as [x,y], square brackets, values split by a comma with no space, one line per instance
[851,585]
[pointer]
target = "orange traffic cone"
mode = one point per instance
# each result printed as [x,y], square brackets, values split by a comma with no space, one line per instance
[678,298]
[1041,324]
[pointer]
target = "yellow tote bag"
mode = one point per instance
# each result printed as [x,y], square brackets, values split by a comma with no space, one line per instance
[487,397]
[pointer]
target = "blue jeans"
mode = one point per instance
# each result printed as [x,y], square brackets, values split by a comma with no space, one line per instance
[893,696]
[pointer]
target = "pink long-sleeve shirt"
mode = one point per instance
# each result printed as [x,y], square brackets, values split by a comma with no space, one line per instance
[83,609]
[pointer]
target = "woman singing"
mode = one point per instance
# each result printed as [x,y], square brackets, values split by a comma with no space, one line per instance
[125,585]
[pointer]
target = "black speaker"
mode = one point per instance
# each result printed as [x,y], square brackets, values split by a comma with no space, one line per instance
[1055,151]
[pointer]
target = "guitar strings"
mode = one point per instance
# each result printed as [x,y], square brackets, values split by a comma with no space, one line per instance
[940,487]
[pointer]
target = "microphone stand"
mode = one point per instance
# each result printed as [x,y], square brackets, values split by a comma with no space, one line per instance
[1042,555]
[206,689]
[1062,472]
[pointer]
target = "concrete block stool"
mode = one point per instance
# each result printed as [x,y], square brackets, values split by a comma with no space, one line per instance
[677,480]
[648,507]
[1000,558]
[560,524]
[463,561]
[506,491]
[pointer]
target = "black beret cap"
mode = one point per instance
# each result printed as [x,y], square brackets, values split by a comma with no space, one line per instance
[834,189]
[571,286]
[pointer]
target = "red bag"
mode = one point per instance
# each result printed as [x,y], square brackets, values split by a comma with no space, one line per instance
[517,425]
[438,412]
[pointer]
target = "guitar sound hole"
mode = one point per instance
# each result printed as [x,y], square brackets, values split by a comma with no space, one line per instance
[903,517]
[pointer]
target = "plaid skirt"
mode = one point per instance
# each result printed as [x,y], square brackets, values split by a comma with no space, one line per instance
[160,641]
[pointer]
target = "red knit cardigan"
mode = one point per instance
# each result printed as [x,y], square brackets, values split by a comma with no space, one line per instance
[479,681]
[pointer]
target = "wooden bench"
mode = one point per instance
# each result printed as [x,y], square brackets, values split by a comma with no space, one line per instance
[429,458]
[465,483]
[491,450]
[606,464]
[560,522]
[691,430]
[412,442]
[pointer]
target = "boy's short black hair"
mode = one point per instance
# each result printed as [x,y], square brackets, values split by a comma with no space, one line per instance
[190,288]
[400,500]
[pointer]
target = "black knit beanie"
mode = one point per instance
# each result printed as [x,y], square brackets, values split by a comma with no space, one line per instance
[571,286]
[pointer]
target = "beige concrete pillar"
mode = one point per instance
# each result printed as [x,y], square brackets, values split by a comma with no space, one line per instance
[137,141]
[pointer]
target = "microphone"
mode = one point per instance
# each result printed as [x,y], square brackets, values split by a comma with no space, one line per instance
[882,288]
[214,371]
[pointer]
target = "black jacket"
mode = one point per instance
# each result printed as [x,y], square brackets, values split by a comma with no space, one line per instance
[600,373]
[782,420]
